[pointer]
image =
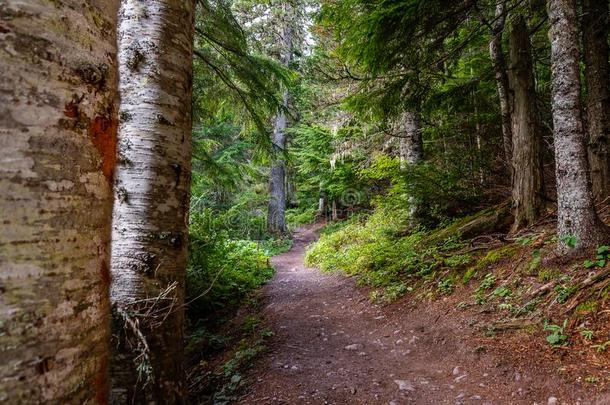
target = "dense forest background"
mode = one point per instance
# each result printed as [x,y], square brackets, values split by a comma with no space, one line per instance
[413,128]
[350,79]
[157,154]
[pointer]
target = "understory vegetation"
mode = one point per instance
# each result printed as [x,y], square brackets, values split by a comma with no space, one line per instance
[517,281]
[430,186]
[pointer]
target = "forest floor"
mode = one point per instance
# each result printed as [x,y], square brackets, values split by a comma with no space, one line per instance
[331,345]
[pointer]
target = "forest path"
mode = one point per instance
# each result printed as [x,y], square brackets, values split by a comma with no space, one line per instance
[332,346]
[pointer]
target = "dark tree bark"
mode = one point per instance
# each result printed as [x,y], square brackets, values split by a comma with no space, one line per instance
[150,234]
[597,74]
[276,215]
[575,205]
[58,121]
[527,182]
[501,76]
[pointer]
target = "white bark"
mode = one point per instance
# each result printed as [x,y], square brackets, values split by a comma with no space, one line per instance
[150,232]
[57,137]
[411,146]
[576,210]
[411,152]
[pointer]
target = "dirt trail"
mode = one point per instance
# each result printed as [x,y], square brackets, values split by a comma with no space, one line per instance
[332,346]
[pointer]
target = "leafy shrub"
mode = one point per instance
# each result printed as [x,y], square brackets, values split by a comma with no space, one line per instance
[379,251]
[299,217]
[221,271]
[557,336]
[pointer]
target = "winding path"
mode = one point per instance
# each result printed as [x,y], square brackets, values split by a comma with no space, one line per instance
[332,346]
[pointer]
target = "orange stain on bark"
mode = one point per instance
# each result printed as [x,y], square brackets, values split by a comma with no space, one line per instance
[71,110]
[103,133]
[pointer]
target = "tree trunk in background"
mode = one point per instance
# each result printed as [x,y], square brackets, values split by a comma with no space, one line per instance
[501,76]
[597,74]
[576,211]
[321,202]
[57,144]
[411,146]
[411,152]
[478,137]
[150,223]
[527,182]
[276,214]
[334,215]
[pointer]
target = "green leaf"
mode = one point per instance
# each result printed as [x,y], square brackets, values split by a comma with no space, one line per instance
[556,339]
[589,263]
[603,250]
[570,241]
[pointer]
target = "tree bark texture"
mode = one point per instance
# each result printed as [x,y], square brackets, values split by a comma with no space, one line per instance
[597,75]
[411,145]
[501,76]
[57,146]
[575,207]
[411,151]
[527,182]
[276,213]
[152,191]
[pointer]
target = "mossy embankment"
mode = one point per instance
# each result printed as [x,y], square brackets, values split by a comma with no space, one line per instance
[515,288]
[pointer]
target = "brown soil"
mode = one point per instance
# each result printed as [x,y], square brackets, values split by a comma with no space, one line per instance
[333,346]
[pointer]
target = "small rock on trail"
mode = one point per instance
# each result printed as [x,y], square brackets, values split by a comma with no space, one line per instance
[404,385]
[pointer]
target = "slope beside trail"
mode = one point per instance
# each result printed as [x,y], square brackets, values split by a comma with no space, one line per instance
[333,346]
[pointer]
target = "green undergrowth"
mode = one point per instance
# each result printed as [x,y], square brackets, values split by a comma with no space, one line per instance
[224,334]
[515,284]
[377,250]
[223,356]
[222,271]
[299,217]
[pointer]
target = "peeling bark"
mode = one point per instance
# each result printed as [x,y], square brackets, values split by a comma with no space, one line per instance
[597,75]
[150,235]
[57,136]
[527,183]
[576,209]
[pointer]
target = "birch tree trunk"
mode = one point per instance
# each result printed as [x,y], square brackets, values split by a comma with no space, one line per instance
[57,144]
[597,74]
[150,222]
[527,182]
[276,214]
[501,76]
[576,210]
